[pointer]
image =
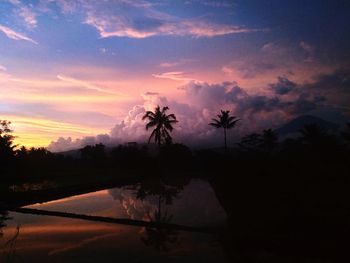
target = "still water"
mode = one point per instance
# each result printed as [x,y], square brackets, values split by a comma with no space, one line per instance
[36,238]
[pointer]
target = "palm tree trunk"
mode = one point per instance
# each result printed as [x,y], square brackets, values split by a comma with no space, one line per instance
[225,140]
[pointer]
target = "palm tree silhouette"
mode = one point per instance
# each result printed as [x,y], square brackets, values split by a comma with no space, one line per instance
[225,121]
[162,123]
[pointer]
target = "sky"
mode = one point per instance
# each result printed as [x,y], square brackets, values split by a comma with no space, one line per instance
[81,72]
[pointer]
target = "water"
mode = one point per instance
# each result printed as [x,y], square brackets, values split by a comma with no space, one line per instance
[35,238]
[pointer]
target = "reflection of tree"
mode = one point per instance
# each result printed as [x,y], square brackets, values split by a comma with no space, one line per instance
[9,247]
[159,237]
[3,218]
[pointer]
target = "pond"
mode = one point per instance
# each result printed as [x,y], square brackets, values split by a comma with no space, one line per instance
[59,237]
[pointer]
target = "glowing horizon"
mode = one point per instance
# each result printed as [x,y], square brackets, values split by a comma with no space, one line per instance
[80,69]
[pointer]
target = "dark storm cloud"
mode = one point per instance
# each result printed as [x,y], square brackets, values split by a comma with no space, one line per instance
[337,81]
[283,86]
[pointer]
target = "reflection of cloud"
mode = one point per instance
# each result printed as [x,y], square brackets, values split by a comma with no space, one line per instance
[15,35]
[195,205]
[136,209]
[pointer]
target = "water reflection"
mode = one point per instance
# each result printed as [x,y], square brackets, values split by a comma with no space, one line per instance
[157,237]
[3,218]
[53,239]
[8,249]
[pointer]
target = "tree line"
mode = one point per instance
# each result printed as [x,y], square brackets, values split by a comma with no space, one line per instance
[312,139]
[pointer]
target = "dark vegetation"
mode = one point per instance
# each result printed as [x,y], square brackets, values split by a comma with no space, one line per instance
[286,200]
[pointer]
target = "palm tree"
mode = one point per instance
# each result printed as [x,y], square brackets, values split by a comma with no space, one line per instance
[225,121]
[162,123]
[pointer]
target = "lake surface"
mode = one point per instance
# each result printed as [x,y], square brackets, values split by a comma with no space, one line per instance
[36,238]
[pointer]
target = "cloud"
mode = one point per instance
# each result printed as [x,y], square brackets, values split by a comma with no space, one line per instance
[87,85]
[217,4]
[282,101]
[173,75]
[15,35]
[2,68]
[309,51]
[26,13]
[115,26]
[140,19]
[28,16]
[180,62]
[249,68]
[283,86]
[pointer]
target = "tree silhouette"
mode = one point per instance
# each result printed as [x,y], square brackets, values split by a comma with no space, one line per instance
[6,141]
[346,134]
[162,123]
[269,140]
[225,121]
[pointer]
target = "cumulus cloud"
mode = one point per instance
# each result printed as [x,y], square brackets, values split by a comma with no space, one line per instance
[15,35]
[283,100]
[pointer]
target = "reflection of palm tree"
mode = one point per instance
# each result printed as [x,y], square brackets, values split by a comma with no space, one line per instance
[225,121]
[159,237]
[157,188]
[162,123]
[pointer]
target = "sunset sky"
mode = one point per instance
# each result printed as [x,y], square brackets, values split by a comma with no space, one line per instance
[74,72]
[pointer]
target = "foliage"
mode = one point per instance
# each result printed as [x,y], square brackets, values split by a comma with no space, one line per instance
[6,142]
[224,121]
[162,123]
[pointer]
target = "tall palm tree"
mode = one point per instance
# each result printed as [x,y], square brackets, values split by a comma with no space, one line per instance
[162,124]
[225,121]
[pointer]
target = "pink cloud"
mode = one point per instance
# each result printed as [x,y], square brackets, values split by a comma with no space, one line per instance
[15,35]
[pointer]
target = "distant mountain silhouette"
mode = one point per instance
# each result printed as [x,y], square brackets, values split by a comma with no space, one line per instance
[292,128]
